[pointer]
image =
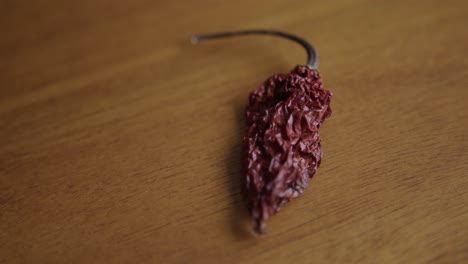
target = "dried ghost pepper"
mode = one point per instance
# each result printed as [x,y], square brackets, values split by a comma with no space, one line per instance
[282,148]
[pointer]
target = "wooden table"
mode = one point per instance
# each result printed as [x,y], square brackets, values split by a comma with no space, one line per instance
[120,141]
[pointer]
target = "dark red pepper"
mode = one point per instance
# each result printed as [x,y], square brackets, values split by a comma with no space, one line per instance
[282,148]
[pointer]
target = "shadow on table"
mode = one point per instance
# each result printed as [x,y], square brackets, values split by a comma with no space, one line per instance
[240,220]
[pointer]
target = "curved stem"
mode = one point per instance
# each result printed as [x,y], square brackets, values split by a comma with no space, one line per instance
[312,58]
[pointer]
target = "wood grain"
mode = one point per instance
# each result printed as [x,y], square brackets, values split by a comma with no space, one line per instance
[120,141]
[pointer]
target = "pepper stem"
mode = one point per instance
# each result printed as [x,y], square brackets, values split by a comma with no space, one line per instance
[312,58]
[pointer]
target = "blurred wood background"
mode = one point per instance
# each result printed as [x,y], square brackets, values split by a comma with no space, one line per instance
[120,141]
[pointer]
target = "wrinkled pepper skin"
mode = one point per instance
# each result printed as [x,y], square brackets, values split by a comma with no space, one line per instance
[281,146]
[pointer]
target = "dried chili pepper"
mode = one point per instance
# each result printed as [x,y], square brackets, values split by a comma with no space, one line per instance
[282,148]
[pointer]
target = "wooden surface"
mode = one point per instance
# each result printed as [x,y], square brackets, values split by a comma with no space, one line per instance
[120,140]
